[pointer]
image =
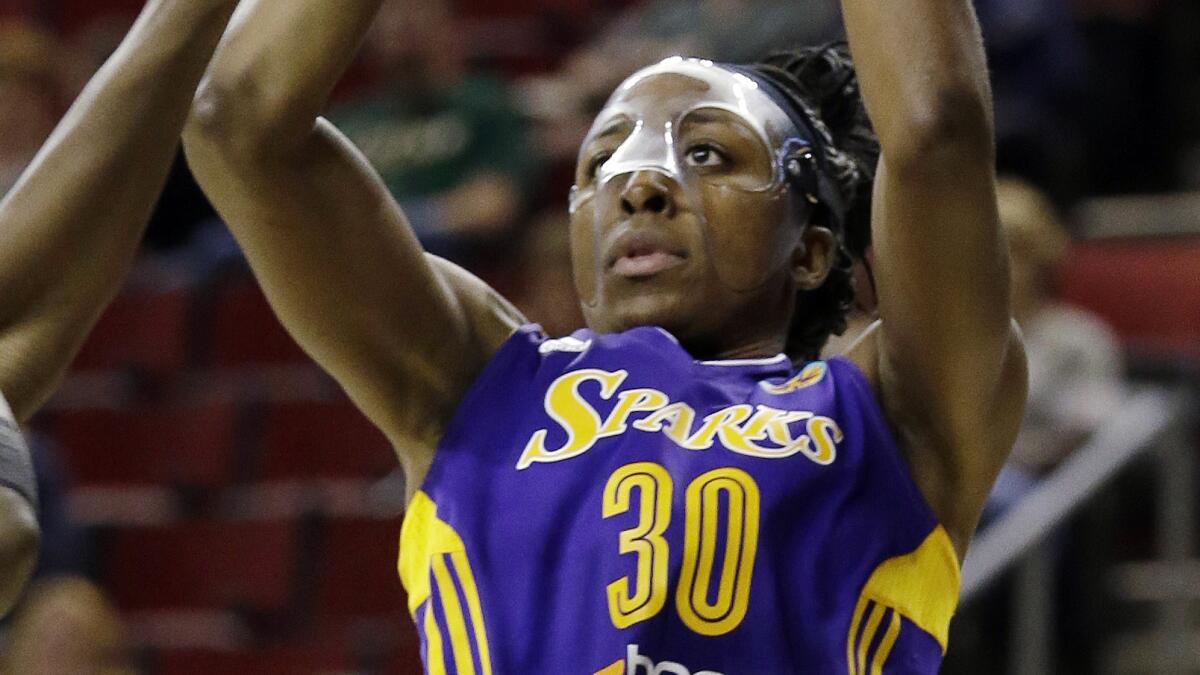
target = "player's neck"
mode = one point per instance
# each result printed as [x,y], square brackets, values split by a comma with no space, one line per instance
[751,348]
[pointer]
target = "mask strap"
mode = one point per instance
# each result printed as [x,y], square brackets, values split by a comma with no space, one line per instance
[805,162]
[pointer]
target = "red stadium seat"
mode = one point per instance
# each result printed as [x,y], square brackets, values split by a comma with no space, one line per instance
[141,329]
[285,660]
[1147,290]
[406,659]
[322,440]
[407,662]
[203,566]
[356,574]
[178,445]
[245,330]
[75,15]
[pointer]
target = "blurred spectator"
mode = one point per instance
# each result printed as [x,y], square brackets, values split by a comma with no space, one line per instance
[91,45]
[1075,364]
[30,96]
[67,625]
[1036,54]
[449,143]
[545,288]
[1038,62]
[1123,9]
[1135,91]
[723,30]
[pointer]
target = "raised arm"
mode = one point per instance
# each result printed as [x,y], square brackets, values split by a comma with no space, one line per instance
[20,535]
[950,364]
[70,227]
[404,334]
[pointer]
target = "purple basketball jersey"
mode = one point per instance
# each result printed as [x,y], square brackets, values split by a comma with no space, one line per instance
[607,505]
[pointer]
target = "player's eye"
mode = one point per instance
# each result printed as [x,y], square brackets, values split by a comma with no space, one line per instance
[596,162]
[704,155]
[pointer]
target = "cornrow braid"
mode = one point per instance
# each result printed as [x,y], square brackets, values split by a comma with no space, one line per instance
[822,82]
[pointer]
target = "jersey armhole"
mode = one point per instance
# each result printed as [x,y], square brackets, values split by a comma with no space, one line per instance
[871,407]
[525,342]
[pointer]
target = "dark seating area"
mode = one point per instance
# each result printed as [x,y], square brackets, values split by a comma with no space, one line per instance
[243,516]
[260,551]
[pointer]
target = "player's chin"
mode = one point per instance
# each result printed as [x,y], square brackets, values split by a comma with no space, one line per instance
[671,306]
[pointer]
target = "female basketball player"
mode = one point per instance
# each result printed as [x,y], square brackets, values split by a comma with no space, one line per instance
[71,226]
[667,492]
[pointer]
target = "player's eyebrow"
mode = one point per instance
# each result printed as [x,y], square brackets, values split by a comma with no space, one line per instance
[717,119]
[614,127]
[710,115]
[714,116]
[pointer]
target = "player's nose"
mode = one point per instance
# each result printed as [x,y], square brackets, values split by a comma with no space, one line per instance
[648,192]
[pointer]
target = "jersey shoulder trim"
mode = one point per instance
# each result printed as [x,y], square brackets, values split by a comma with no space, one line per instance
[443,596]
[922,586]
[422,536]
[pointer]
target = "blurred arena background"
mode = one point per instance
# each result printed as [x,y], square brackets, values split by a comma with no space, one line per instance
[213,504]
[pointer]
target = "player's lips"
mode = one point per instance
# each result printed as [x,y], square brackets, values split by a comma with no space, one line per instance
[644,254]
[646,264]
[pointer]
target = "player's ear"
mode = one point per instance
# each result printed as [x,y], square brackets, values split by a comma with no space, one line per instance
[813,257]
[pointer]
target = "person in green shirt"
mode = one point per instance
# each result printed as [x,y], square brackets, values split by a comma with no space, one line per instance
[449,143]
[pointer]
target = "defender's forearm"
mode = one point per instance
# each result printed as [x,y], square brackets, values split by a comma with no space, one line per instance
[923,74]
[277,67]
[70,227]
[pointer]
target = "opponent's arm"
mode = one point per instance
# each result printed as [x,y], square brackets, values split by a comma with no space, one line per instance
[951,367]
[404,333]
[19,543]
[20,535]
[70,227]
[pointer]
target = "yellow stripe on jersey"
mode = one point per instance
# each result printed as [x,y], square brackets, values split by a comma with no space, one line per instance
[426,544]
[885,647]
[858,651]
[854,623]
[471,592]
[868,637]
[422,536]
[436,662]
[922,586]
[460,643]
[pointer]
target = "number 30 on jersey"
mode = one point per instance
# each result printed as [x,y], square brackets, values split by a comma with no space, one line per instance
[634,600]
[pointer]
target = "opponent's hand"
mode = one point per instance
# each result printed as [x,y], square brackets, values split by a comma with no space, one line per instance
[20,538]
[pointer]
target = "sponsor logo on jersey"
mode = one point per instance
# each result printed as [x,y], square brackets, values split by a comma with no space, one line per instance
[755,431]
[636,664]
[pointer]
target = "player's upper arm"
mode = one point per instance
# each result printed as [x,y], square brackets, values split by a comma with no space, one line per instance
[404,333]
[951,361]
[948,360]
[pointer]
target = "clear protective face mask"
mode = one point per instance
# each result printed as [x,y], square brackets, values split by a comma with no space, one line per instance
[656,142]
[706,135]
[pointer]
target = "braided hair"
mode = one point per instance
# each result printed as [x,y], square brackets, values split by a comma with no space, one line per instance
[821,80]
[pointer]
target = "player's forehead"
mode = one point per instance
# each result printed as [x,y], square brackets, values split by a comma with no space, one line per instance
[673,88]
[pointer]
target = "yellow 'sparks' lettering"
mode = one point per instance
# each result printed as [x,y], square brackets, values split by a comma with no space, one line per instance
[754,431]
[565,404]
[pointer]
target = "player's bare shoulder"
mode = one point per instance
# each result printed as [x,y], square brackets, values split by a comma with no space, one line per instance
[492,318]
[419,415]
